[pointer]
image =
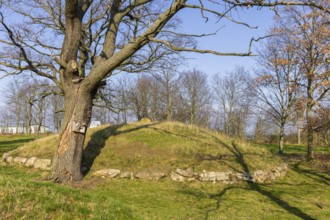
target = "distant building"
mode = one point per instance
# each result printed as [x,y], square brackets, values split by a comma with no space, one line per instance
[95,124]
[22,130]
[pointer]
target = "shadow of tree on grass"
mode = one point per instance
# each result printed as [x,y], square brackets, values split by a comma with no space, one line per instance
[258,187]
[13,144]
[97,143]
[250,186]
[99,138]
[321,178]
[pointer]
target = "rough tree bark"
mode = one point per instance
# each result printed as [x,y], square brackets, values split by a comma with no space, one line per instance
[310,148]
[29,117]
[281,138]
[78,111]
[78,100]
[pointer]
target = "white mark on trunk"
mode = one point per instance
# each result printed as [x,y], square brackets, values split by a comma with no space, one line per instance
[79,127]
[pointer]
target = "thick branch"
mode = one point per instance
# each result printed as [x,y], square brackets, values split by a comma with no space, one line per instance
[182,49]
[262,3]
[102,70]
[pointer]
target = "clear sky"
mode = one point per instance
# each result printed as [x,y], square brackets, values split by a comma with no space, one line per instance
[230,38]
[3,83]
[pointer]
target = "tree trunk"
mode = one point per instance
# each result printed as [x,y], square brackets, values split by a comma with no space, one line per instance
[281,139]
[17,124]
[78,112]
[40,115]
[298,132]
[29,118]
[55,122]
[168,103]
[125,116]
[326,137]
[39,126]
[310,148]
[193,108]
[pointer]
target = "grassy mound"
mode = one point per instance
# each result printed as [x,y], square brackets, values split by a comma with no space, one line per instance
[160,146]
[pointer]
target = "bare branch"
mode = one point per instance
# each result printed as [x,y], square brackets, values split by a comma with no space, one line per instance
[221,15]
[190,35]
[262,3]
[182,49]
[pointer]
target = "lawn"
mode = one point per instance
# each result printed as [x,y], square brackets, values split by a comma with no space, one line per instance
[296,149]
[162,147]
[11,142]
[26,194]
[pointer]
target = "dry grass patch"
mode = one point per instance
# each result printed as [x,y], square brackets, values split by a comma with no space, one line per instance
[43,148]
[160,146]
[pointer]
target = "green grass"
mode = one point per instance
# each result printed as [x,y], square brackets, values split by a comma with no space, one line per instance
[296,149]
[11,142]
[302,194]
[159,146]
[25,194]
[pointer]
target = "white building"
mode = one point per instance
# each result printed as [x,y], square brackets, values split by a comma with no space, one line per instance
[21,130]
[95,124]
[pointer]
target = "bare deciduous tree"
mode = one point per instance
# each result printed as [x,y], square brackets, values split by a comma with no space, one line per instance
[231,93]
[321,123]
[14,96]
[196,97]
[57,105]
[277,81]
[168,80]
[308,31]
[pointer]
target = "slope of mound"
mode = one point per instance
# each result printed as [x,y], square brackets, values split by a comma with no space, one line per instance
[160,146]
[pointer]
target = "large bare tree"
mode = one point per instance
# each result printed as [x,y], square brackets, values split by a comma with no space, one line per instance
[231,94]
[14,95]
[308,31]
[79,43]
[196,97]
[168,79]
[277,81]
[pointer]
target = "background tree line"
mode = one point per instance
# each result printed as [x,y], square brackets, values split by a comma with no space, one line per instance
[237,103]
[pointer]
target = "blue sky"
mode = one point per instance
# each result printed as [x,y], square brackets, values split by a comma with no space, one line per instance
[230,38]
